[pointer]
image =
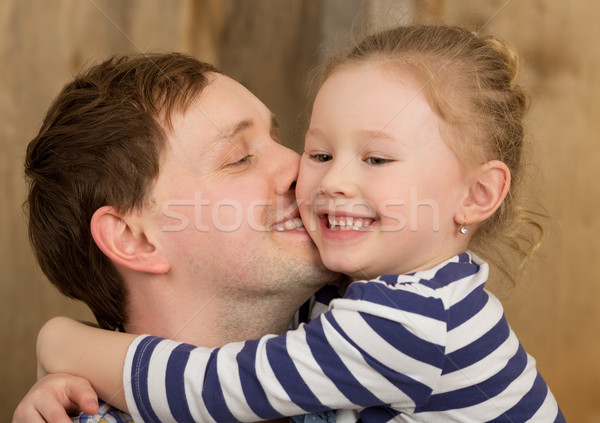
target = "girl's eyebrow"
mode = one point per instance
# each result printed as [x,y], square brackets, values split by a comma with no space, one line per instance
[365,134]
[315,132]
[371,134]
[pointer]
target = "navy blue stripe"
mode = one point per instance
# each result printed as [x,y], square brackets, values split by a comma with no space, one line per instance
[396,298]
[404,340]
[450,273]
[478,349]
[378,414]
[175,383]
[303,312]
[466,308]
[326,294]
[480,392]
[334,368]
[212,394]
[285,370]
[253,390]
[464,258]
[528,405]
[390,280]
[417,391]
[139,378]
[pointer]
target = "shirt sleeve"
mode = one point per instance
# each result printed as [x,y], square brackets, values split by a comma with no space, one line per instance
[376,346]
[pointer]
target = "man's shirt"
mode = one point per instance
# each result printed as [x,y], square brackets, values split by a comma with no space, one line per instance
[106,414]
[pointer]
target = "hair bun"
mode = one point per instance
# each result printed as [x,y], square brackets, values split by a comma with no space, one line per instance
[509,56]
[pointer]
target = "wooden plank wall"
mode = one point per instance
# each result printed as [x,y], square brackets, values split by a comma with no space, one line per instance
[270,45]
[554,307]
[43,43]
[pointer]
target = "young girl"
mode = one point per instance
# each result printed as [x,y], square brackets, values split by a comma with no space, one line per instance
[414,138]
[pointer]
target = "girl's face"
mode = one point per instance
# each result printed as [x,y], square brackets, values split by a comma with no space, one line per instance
[379,189]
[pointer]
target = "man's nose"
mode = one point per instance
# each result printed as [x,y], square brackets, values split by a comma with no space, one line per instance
[288,165]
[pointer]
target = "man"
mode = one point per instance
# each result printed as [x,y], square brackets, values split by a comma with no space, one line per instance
[159,195]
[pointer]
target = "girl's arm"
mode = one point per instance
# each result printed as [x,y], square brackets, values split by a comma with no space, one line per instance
[363,352]
[377,347]
[67,346]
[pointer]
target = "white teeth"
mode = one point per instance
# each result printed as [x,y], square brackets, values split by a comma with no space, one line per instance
[348,223]
[294,223]
[289,225]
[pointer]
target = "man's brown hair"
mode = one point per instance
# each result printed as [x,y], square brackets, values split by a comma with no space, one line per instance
[100,144]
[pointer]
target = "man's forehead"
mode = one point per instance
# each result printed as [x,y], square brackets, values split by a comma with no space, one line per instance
[234,128]
[221,112]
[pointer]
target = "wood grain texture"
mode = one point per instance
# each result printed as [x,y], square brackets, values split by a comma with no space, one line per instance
[42,44]
[270,45]
[553,308]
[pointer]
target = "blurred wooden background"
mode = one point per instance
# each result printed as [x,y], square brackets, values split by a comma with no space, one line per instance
[270,45]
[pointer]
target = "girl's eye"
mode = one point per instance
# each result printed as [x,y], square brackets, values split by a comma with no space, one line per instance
[375,161]
[320,157]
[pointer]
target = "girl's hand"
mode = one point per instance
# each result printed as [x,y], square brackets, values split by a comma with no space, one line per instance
[53,396]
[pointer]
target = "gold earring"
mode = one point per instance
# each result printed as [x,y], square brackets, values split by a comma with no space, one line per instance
[463,229]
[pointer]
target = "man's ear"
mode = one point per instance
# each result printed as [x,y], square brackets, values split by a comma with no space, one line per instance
[123,241]
[486,193]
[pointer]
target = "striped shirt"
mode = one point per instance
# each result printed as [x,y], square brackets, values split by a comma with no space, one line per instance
[432,346]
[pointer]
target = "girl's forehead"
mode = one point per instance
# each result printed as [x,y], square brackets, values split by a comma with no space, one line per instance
[373,91]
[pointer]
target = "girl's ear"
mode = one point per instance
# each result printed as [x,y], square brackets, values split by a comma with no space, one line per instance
[486,193]
[122,239]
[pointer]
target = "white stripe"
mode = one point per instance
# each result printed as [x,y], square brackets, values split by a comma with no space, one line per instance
[477,326]
[369,341]
[547,411]
[277,396]
[478,372]
[366,376]
[417,324]
[157,392]
[127,385]
[458,290]
[311,372]
[493,407]
[229,379]
[519,387]
[194,375]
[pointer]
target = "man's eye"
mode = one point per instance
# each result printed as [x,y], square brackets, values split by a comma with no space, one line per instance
[241,161]
[375,161]
[320,157]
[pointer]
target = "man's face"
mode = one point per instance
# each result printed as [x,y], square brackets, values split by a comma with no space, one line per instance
[223,206]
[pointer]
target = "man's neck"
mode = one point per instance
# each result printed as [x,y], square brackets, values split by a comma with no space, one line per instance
[211,321]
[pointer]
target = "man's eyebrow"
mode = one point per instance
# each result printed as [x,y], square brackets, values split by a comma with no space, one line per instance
[231,131]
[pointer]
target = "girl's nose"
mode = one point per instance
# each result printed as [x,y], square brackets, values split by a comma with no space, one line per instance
[339,181]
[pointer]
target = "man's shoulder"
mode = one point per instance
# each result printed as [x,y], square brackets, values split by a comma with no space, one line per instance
[107,414]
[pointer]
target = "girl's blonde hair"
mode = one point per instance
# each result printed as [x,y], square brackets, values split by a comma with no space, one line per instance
[470,83]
